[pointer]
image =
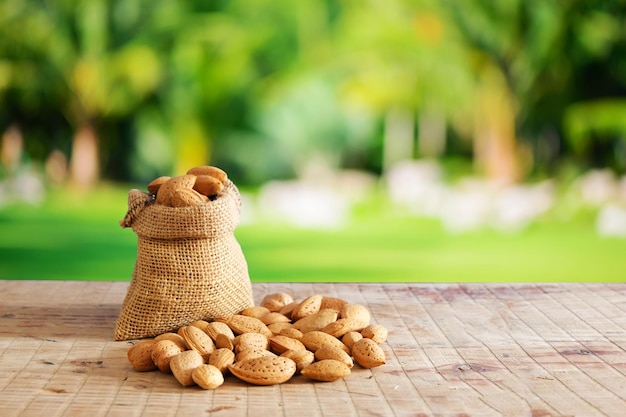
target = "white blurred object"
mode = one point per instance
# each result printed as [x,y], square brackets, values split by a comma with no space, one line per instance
[416,185]
[303,205]
[515,207]
[611,221]
[597,187]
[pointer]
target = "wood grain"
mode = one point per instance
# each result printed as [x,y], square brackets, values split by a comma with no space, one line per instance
[453,350]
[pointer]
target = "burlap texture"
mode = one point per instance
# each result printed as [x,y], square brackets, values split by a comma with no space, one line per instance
[189,265]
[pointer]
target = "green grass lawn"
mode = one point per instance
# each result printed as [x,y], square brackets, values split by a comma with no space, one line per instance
[77,237]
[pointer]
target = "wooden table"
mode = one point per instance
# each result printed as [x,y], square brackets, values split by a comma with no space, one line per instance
[453,350]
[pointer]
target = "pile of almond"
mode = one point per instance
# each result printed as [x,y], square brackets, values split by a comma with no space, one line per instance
[319,337]
[199,185]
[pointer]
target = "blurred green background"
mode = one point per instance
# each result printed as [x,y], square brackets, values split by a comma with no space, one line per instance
[372,141]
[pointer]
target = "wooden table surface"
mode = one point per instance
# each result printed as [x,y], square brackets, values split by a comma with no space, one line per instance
[453,350]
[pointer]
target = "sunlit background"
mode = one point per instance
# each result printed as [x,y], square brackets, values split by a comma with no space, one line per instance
[425,140]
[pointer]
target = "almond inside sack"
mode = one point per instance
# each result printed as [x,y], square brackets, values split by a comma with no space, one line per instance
[189,265]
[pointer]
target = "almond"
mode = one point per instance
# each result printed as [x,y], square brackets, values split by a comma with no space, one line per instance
[166,191]
[266,370]
[274,317]
[334,303]
[162,352]
[215,327]
[221,358]
[288,309]
[274,302]
[140,356]
[301,357]
[350,338]
[327,370]
[376,332]
[331,352]
[357,312]
[306,307]
[183,364]
[342,326]
[248,354]
[184,197]
[291,332]
[176,338]
[153,187]
[368,353]
[197,340]
[316,321]
[245,324]
[251,341]
[208,186]
[276,328]
[281,344]
[255,311]
[211,171]
[222,341]
[207,377]
[200,324]
[317,339]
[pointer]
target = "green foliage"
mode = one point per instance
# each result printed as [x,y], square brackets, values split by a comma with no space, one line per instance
[171,84]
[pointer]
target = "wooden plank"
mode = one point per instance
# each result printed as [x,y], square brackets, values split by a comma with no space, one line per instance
[453,350]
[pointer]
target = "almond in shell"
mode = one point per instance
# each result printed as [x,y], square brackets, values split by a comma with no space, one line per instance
[316,321]
[208,186]
[211,171]
[378,333]
[207,377]
[153,187]
[245,324]
[275,301]
[368,354]
[340,327]
[350,338]
[306,307]
[183,364]
[356,311]
[251,341]
[162,352]
[266,370]
[221,358]
[197,340]
[330,352]
[184,197]
[317,339]
[166,191]
[326,370]
[280,344]
[215,327]
[301,357]
[140,356]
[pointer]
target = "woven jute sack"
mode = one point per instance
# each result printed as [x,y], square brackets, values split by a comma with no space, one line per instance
[189,265]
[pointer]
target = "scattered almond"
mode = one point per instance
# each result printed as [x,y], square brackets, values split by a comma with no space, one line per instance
[183,364]
[266,370]
[331,352]
[327,370]
[301,357]
[316,321]
[376,332]
[276,301]
[368,353]
[306,307]
[280,344]
[140,356]
[207,376]
[245,324]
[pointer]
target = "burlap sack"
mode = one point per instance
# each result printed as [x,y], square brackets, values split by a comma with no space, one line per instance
[189,265]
